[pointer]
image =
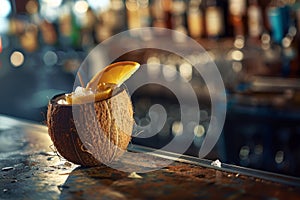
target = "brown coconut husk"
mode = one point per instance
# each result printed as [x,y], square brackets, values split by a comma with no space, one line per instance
[105,129]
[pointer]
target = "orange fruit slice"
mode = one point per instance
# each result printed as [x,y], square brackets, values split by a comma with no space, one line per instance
[116,73]
[103,83]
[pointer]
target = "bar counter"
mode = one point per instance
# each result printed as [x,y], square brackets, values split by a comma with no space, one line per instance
[31,169]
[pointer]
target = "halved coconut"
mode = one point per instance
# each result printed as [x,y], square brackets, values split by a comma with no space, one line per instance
[93,132]
[93,125]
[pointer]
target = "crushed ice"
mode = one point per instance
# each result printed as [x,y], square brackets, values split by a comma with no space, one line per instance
[81,91]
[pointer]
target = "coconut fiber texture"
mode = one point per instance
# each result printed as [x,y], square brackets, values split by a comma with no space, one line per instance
[92,133]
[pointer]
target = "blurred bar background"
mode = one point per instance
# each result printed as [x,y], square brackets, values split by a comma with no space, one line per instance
[255,45]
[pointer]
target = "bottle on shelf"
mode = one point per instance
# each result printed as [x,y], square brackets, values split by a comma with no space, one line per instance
[255,19]
[178,20]
[195,19]
[214,19]
[145,13]
[133,14]
[167,6]
[178,11]
[278,13]
[161,13]
[237,10]
[68,26]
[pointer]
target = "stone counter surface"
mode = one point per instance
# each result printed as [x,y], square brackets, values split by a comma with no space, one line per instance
[31,169]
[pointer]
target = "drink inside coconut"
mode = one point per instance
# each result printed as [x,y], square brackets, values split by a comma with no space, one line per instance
[93,124]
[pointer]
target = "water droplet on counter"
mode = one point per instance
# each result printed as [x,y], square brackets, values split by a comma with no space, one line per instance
[7,168]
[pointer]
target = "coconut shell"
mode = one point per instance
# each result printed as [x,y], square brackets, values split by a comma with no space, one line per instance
[92,133]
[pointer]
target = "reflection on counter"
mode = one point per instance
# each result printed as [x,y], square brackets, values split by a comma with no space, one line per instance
[255,45]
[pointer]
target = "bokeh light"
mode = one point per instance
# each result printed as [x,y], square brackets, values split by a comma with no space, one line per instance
[153,66]
[50,58]
[17,58]
[96,5]
[199,131]
[52,3]
[177,128]
[186,71]
[5,8]
[169,72]
[81,7]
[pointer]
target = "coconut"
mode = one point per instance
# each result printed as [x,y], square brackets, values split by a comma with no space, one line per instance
[91,133]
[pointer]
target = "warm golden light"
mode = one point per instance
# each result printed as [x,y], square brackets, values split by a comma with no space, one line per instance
[186,71]
[199,131]
[17,59]
[237,55]
[81,7]
[153,66]
[177,128]
[169,72]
